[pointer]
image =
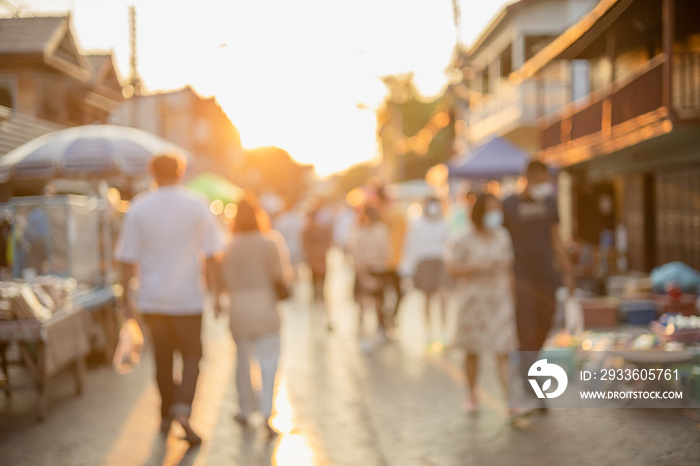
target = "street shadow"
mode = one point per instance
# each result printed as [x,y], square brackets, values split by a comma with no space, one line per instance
[235,443]
[162,454]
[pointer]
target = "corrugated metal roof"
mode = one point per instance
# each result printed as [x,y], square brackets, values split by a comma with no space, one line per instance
[28,35]
[17,129]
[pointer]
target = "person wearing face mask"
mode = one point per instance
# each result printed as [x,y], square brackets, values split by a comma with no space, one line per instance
[423,260]
[486,320]
[532,219]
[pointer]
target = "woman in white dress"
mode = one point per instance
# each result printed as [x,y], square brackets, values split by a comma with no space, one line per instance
[486,320]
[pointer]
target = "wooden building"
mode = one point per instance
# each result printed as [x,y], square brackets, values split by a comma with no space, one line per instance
[47,83]
[43,73]
[630,149]
[494,104]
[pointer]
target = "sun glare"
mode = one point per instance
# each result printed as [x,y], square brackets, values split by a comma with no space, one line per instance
[308,83]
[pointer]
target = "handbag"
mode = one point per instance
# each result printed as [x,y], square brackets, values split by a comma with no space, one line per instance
[281,291]
[129,348]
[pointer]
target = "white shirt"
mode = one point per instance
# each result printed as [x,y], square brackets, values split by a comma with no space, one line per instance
[426,239]
[167,232]
[344,222]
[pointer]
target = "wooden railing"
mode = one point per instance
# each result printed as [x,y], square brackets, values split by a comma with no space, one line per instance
[637,94]
[641,95]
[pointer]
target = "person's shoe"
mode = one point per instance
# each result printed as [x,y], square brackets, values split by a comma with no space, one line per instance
[270,431]
[165,425]
[190,435]
[241,419]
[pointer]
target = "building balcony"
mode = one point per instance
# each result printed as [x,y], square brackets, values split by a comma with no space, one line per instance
[626,112]
[515,109]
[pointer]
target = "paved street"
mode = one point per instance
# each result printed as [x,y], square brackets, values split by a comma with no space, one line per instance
[396,405]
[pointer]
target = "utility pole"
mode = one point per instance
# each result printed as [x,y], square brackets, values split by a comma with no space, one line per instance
[135,80]
[457,13]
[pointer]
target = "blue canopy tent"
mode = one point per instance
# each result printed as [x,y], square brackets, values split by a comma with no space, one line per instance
[492,160]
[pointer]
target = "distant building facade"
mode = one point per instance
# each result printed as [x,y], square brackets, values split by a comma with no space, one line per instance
[491,104]
[193,122]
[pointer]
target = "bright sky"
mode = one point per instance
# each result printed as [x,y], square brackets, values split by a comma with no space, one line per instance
[291,73]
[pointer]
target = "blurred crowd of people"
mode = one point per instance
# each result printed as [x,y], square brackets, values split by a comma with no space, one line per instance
[504,259]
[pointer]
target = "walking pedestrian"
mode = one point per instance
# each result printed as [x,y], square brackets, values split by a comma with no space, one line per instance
[343,222]
[165,233]
[460,212]
[316,241]
[486,320]
[370,249]
[290,224]
[532,219]
[254,265]
[423,258]
[395,218]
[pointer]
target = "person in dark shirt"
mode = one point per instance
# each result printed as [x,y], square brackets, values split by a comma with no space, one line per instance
[532,219]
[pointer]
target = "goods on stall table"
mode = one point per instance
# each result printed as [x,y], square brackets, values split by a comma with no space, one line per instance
[638,312]
[684,304]
[36,300]
[599,312]
[677,328]
[23,303]
[60,290]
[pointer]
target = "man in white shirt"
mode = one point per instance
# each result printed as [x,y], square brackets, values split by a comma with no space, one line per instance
[165,236]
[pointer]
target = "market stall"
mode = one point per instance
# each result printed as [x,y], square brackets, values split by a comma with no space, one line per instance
[60,306]
[71,237]
[669,345]
[40,330]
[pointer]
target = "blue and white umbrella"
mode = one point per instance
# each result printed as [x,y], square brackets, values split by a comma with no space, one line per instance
[86,151]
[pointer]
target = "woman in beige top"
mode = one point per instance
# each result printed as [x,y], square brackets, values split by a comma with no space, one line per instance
[370,246]
[254,261]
